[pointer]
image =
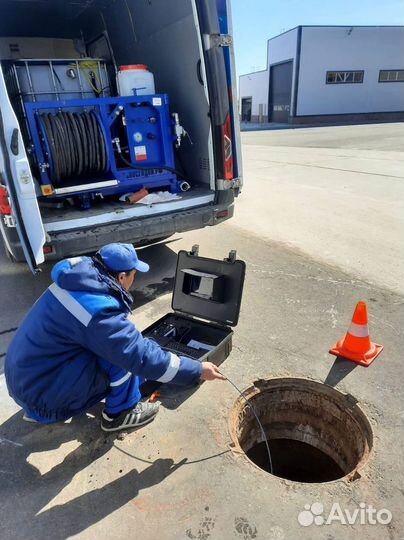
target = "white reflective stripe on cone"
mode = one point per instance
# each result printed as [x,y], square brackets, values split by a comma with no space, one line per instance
[172,369]
[359,330]
[121,380]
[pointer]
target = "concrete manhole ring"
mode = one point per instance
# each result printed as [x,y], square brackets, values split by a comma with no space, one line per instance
[315,433]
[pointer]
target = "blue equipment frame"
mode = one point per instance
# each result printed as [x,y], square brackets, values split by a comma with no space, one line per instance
[154,138]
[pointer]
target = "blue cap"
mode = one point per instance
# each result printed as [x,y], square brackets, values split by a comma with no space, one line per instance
[121,258]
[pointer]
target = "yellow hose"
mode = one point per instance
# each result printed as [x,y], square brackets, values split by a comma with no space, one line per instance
[86,66]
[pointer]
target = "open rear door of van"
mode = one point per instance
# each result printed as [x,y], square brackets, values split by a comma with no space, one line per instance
[19,202]
[226,29]
[216,28]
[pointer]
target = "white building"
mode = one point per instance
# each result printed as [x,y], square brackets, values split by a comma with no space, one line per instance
[328,74]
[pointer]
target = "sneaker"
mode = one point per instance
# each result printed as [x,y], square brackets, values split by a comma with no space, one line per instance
[140,415]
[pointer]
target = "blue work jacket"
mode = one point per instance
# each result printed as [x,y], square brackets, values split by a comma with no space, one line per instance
[52,368]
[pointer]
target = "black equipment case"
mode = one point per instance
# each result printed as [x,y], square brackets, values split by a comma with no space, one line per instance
[206,303]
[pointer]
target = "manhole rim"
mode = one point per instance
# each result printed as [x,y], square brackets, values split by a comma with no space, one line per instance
[258,386]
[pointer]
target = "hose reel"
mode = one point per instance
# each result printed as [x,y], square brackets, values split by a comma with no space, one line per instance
[75,144]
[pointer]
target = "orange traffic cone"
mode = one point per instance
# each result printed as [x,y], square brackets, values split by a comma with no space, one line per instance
[356,346]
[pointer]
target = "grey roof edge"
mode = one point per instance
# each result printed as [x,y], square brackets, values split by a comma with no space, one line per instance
[337,26]
[252,73]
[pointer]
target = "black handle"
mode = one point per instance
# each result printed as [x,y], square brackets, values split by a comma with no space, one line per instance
[199,71]
[14,142]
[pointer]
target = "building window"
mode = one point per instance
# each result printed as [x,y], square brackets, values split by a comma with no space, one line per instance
[246,109]
[344,77]
[391,75]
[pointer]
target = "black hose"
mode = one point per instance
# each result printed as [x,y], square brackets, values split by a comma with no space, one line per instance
[52,146]
[76,144]
[69,150]
[59,135]
[83,140]
[90,141]
[102,149]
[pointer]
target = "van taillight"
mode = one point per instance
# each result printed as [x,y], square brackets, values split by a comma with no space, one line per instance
[48,249]
[220,214]
[227,149]
[5,208]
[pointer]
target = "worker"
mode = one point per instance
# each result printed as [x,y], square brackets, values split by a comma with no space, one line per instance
[77,346]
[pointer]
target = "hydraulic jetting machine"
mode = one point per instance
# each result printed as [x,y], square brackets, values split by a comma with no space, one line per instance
[97,146]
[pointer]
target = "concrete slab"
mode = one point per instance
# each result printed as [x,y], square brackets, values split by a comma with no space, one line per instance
[362,137]
[335,193]
[271,126]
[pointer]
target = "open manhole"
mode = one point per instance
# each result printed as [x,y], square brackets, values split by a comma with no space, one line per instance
[315,433]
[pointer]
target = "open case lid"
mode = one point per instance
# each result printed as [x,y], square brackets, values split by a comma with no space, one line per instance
[209,288]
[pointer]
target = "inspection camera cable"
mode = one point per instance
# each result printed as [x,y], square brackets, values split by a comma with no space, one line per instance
[256,417]
[2,332]
[254,413]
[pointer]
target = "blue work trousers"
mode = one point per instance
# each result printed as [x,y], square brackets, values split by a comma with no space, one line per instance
[124,388]
[124,391]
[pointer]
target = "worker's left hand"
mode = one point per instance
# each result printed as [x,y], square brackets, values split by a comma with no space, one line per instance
[210,372]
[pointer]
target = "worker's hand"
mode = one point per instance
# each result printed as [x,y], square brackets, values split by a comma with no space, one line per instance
[210,372]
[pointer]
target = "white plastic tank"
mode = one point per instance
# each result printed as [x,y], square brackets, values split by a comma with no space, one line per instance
[135,80]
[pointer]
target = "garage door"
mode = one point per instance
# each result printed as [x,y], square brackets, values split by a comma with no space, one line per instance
[280,92]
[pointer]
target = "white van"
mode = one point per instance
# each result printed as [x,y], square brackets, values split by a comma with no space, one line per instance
[188,46]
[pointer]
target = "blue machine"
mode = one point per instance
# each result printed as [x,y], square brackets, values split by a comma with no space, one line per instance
[130,139]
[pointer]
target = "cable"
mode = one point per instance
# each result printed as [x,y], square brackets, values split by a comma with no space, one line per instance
[8,331]
[256,417]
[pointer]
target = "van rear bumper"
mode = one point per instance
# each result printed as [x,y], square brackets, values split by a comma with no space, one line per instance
[136,231]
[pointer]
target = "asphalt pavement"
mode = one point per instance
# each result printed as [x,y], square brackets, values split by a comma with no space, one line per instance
[319,228]
[337,193]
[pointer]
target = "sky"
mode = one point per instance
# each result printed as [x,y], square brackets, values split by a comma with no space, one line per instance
[255,21]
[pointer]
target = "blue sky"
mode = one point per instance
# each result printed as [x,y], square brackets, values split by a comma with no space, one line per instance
[255,21]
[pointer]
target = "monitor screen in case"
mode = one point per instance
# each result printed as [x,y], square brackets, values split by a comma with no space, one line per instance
[206,302]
